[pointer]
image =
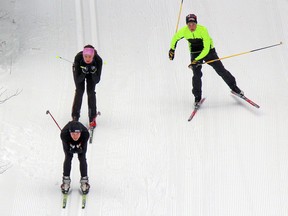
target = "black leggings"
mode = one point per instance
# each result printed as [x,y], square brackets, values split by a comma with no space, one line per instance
[80,88]
[218,67]
[68,160]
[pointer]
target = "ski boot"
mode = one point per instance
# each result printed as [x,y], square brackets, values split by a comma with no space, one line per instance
[237,90]
[84,185]
[92,121]
[65,186]
[197,102]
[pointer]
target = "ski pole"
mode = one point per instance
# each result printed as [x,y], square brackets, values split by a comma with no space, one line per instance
[48,112]
[179,15]
[73,62]
[64,59]
[238,54]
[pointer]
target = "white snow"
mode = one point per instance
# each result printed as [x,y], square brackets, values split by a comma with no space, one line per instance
[146,159]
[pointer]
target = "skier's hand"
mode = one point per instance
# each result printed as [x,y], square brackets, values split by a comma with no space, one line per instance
[85,70]
[76,150]
[195,63]
[79,150]
[171,54]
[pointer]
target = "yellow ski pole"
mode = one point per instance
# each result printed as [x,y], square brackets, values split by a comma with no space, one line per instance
[238,54]
[179,15]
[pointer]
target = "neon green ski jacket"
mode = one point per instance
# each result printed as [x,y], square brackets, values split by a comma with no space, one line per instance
[199,41]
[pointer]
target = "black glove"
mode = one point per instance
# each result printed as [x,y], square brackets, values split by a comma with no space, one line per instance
[195,63]
[171,54]
[85,70]
[93,69]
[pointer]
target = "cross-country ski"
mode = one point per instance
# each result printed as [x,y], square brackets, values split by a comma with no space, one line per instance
[245,99]
[64,200]
[92,128]
[196,108]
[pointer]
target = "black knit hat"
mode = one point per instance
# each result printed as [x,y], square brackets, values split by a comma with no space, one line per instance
[75,127]
[191,18]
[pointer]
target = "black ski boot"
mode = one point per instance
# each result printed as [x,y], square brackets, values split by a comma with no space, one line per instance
[197,102]
[237,90]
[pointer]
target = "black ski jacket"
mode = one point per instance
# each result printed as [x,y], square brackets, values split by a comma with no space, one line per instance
[71,146]
[81,70]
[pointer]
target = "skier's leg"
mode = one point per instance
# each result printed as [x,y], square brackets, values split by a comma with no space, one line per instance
[221,71]
[67,164]
[91,99]
[77,103]
[84,183]
[197,83]
[83,164]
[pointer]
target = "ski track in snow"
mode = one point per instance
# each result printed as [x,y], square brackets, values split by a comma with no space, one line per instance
[145,158]
[86,34]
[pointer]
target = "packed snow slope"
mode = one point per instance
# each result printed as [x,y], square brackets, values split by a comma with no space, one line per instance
[146,159]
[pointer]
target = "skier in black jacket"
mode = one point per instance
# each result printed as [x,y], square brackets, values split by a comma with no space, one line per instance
[87,66]
[74,138]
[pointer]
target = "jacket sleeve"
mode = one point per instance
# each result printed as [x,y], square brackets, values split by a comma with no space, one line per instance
[64,137]
[206,44]
[85,137]
[99,63]
[177,36]
[77,71]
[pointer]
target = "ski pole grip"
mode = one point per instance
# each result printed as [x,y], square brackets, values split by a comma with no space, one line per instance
[48,112]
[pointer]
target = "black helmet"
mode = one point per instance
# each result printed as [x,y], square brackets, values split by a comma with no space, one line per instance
[191,18]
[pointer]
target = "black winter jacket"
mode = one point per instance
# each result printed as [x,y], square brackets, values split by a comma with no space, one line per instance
[71,146]
[81,70]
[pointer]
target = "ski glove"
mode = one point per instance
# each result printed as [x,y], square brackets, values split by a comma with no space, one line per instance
[85,70]
[171,54]
[195,63]
[89,69]
[75,149]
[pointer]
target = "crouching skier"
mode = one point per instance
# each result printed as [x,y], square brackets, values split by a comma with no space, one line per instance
[74,138]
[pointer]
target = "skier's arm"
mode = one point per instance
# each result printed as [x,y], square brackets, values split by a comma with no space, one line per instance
[99,62]
[177,36]
[66,147]
[64,134]
[85,138]
[77,71]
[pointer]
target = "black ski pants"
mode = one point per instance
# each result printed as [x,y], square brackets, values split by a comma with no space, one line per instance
[68,161]
[217,66]
[91,94]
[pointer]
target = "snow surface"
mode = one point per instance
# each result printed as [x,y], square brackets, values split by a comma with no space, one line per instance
[146,159]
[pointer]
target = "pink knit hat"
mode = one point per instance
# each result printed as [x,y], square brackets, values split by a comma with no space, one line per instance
[88,51]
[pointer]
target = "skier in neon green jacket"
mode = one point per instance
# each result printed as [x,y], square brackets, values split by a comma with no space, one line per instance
[201,49]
